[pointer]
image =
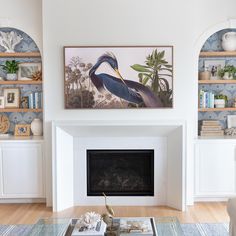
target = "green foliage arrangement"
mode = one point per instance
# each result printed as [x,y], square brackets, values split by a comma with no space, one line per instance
[221,96]
[152,74]
[10,67]
[230,69]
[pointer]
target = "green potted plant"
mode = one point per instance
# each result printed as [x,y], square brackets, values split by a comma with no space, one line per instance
[228,72]
[220,100]
[11,68]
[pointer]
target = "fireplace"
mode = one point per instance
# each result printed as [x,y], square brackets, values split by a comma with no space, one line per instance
[120,172]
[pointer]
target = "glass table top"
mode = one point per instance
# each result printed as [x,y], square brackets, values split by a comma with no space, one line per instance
[165,226]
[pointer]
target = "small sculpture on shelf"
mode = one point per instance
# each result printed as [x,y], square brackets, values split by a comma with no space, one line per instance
[9,40]
[230,131]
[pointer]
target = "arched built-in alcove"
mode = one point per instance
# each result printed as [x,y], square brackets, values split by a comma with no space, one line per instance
[26,45]
[215,86]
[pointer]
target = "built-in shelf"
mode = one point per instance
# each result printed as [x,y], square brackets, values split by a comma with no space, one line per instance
[217,109]
[20,54]
[218,81]
[8,82]
[31,138]
[20,110]
[218,54]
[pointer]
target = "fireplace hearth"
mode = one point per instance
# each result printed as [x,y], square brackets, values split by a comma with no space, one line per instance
[120,172]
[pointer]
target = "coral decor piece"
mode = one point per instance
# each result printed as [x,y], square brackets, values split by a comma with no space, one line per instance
[88,221]
[9,40]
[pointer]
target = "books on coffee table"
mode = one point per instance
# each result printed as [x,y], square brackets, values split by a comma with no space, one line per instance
[98,231]
[137,226]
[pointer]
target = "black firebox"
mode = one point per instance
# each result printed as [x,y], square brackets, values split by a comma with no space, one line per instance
[120,172]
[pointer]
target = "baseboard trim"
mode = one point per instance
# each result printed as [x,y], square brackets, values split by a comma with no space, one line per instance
[22,200]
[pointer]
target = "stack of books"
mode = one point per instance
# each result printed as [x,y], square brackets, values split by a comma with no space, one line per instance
[35,100]
[206,99]
[211,128]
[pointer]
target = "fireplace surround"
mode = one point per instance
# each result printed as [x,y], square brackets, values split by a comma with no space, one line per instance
[71,139]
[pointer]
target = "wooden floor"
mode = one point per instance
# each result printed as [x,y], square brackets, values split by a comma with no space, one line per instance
[30,213]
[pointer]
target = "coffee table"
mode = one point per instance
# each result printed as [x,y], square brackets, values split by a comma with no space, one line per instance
[166,226]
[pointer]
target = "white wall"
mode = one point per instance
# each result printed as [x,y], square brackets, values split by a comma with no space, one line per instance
[25,15]
[111,22]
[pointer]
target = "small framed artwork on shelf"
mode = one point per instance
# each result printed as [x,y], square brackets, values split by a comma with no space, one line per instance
[22,130]
[29,71]
[1,101]
[214,66]
[24,102]
[231,121]
[11,97]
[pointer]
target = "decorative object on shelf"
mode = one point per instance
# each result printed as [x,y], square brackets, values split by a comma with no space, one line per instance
[205,75]
[11,97]
[11,68]
[214,66]
[22,130]
[4,124]
[1,101]
[37,127]
[220,100]
[37,76]
[229,41]
[227,72]
[146,82]
[230,131]
[27,70]
[9,40]
[231,121]
[24,102]
[211,128]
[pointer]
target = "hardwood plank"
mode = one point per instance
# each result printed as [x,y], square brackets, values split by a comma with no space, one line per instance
[217,81]
[20,54]
[8,82]
[30,213]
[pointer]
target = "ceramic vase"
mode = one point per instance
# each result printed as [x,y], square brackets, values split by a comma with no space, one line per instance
[37,127]
[12,76]
[229,41]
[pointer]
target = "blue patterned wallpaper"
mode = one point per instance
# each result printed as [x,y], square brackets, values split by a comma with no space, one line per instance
[26,45]
[213,43]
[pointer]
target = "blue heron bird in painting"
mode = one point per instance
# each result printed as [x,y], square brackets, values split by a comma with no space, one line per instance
[128,90]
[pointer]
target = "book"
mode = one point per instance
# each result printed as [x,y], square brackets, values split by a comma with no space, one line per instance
[137,226]
[210,122]
[98,231]
[211,127]
[212,133]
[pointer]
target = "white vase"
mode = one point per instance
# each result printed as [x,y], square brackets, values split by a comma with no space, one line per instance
[37,127]
[229,41]
[227,76]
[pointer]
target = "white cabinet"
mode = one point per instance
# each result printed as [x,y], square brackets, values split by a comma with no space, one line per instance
[21,170]
[215,169]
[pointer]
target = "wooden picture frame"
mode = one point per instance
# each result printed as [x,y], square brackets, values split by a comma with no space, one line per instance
[22,130]
[214,66]
[28,69]
[1,101]
[118,77]
[11,97]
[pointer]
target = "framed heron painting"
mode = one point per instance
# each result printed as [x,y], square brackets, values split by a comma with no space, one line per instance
[118,77]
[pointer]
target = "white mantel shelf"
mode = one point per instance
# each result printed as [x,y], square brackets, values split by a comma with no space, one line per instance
[65,133]
[13,138]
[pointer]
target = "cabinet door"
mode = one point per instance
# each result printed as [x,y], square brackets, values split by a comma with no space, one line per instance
[21,170]
[215,169]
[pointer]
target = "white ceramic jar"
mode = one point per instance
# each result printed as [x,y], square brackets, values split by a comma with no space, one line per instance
[229,41]
[37,127]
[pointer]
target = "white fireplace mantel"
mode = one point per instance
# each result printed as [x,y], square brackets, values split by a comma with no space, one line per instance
[65,132]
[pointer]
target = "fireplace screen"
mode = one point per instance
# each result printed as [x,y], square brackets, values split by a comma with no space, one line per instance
[120,172]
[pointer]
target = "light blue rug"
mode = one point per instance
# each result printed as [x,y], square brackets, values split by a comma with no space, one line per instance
[205,229]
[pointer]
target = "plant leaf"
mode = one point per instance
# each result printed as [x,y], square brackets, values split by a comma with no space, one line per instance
[140,68]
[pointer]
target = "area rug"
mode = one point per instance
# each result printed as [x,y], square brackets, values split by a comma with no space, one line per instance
[219,229]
